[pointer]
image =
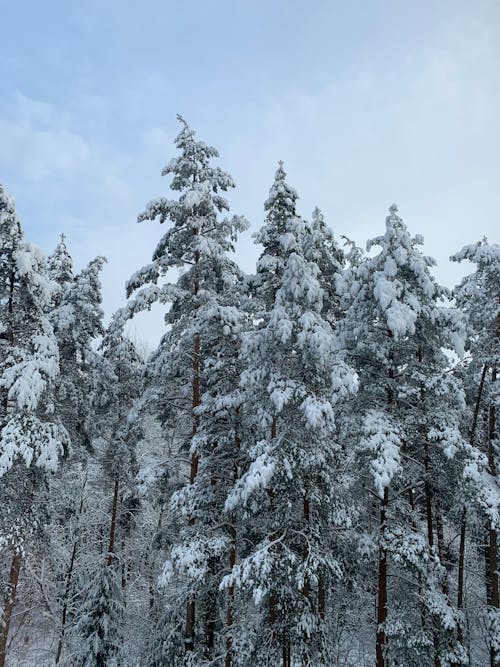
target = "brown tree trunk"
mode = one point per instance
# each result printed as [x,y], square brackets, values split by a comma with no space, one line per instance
[230,598]
[491,551]
[381,607]
[382,587]
[9,603]
[112,528]
[461,571]
[191,605]
[463,520]
[272,596]
[15,567]
[305,553]
[230,591]
[430,534]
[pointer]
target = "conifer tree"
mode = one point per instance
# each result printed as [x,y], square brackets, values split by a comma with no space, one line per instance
[198,242]
[291,381]
[30,431]
[76,316]
[410,408]
[478,295]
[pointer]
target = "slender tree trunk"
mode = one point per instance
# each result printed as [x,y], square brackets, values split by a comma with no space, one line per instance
[461,571]
[414,527]
[305,553]
[112,528]
[272,595]
[491,550]
[381,638]
[69,576]
[382,587]
[440,546]
[230,591]
[191,604]
[430,534]
[15,567]
[9,602]
[463,520]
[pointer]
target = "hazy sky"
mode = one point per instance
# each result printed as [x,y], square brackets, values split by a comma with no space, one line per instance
[367,102]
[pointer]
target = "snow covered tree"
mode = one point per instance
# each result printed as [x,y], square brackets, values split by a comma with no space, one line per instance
[396,328]
[76,316]
[60,270]
[292,484]
[321,247]
[98,642]
[119,422]
[197,243]
[478,295]
[29,365]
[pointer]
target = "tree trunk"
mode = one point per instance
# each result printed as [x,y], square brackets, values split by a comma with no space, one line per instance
[69,576]
[10,597]
[112,528]
[230,590]
[463,521]
[382,587]
[461,571]
[272,596]
[9,603]
[191,605]
[440,546]
[305,553]
[492,596]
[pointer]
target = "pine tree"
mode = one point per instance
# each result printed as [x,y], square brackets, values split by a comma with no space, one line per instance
[76,316]
[292,485]
[198,242]
[479,297]
[29,358]
[410,408]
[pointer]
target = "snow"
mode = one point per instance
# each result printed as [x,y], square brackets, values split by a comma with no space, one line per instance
[382,440]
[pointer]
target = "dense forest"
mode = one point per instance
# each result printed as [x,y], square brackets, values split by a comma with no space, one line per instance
[303,473]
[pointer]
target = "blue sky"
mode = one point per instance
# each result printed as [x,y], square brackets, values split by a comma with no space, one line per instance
[367,102]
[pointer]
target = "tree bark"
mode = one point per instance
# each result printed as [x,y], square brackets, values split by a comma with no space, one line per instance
[112,528]
[492,597]
[382,587]
[463,520]
[230,590]
[15,567]
[191,605]
[9,602]
[272,596]
[69,576]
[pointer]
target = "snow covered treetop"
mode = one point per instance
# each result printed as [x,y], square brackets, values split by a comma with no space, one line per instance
[399,279]
[198,239]
[478,295]
[60,264]
[9,222]
[481,253]
[195,177]
[280,207]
